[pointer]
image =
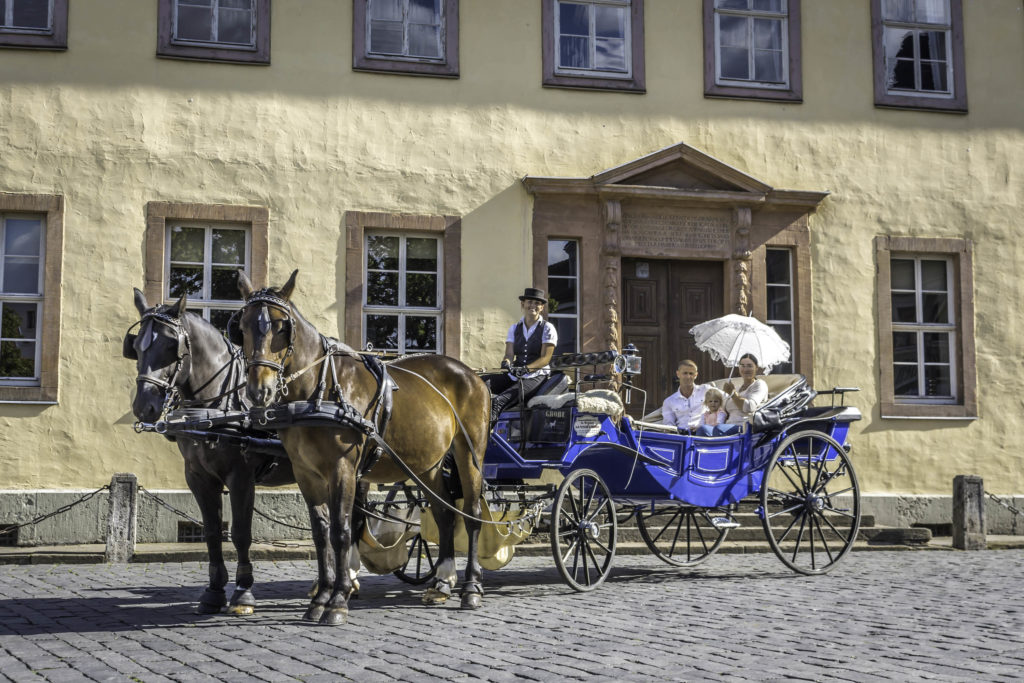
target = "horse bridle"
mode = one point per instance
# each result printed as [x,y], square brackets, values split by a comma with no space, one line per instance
[184,351]
[267,300]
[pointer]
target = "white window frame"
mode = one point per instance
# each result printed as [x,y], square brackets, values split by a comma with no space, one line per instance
[402,310]
[9,17]
[576,278]
[214,27]
[404,55]
[21,298]
[917,27]
[750,15]
[791,321]
[204,304]
[627,40]
[920,329]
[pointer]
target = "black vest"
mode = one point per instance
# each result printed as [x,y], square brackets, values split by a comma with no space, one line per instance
[527,350]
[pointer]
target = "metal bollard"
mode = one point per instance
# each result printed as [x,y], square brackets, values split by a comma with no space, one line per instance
[969,513]
[122,518]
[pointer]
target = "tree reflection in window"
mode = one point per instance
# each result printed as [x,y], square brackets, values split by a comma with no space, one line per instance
[203,264]
[403,290]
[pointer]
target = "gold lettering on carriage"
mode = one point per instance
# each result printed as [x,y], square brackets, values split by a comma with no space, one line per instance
[658,233]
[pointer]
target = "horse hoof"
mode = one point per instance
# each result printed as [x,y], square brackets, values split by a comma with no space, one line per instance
[335,617]
[206,608]
[241,610]
[471,601]
[211,602]
[432,596]
[314,613]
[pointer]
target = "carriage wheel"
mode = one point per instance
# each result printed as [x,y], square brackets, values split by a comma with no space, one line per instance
[681,535]
[583,530]
[421,560]
[810,502]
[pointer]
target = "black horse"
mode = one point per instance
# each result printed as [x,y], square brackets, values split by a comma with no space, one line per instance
[178,352]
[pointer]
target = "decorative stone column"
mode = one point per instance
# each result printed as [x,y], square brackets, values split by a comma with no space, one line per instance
[611,264]
[742,262]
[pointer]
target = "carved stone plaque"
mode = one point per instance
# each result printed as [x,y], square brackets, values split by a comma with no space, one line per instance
[673,234]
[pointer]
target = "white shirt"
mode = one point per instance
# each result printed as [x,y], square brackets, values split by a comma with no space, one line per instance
[682,412]
[550,336]
[750,400]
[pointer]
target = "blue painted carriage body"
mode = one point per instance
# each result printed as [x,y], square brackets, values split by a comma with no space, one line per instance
[637,464]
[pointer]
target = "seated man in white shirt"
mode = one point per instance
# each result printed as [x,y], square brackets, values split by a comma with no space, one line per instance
[683,409]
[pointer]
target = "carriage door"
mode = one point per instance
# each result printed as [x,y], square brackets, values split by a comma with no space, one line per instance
[661,301]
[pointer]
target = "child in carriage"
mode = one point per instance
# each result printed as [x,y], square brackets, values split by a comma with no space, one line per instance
[714,415]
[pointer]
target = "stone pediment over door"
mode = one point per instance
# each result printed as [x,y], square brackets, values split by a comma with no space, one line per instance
[677,203]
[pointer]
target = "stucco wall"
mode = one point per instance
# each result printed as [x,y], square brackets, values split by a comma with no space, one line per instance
[111,127]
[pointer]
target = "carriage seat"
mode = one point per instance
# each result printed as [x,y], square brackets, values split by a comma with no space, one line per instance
[777,385]
[556,383]
[595,401]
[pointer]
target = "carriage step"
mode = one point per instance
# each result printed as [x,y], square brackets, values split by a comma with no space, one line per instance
[724,523]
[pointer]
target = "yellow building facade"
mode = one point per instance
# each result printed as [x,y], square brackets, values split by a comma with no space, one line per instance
[791,159]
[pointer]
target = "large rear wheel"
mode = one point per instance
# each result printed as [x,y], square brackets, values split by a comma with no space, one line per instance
[683,535]
[810,502]
[583,530]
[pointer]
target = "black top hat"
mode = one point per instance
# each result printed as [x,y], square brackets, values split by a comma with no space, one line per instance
[535,294]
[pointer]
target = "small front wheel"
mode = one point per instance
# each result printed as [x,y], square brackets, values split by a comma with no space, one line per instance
[405,502]
[583,530]
[683,535]
[810,502]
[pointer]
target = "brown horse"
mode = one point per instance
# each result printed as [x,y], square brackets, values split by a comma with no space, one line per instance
[439,406]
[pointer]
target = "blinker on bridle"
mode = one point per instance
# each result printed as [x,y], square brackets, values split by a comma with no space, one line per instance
[184,349]
[267,300]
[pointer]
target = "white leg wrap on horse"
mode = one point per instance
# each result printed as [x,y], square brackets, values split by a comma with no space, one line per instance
[446,571]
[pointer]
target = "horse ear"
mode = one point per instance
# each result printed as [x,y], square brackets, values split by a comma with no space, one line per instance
[140,301]
[178,309]
[289,286]
[244,284]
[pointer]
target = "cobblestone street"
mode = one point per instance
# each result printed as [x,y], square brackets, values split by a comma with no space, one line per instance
[879,615]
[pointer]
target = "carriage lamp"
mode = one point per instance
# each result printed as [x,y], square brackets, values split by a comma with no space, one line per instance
[629,362]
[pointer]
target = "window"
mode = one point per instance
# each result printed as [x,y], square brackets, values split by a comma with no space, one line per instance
[918,48]
[564,293]
[594,44]
[926,336]
[31,241]
[779,299]
[402,311]
[40,24]
[197,249]
[752,49]
[414,37]
[403,282]
[203,262]
[215,30]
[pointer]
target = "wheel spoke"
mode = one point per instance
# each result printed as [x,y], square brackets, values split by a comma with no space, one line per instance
[675,516]
[799,536]
[824,542]
[789,528]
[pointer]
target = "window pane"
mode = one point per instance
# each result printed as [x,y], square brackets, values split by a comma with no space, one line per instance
[902,273]
[425,11]
[898,10]
[934,308]
[936,347]
[610,54]
[901,75]
[390,10]
[768,66]
[732,4]
[933,275]
[17,359]
[573,52]
[933,44]
[776,263]
[421,254]
[382,331]
[224,283]
[21,237]
[237,4]
[381,289]
[187,244]
[420,333]
[21,275]
[904,347]
[563,293]
[733,31]
[566,328]
[936,381]
[235,26]
[420,290]
[734,63]
[899,43]
[186,280]
[904,307]
[905,380]
[933,11]
[19,321]
[424,41]
[779,306]
[768,34]
[382,252]
[386,37]
[195,23]
[610,22]
[562,257]
[573,19]
[30,13]
[933,77]
[219,318]
[769,5]
[229,247]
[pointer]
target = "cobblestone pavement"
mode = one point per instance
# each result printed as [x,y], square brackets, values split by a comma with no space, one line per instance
[878,616]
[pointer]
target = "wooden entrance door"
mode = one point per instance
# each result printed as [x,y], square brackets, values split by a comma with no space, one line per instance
[661,301]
